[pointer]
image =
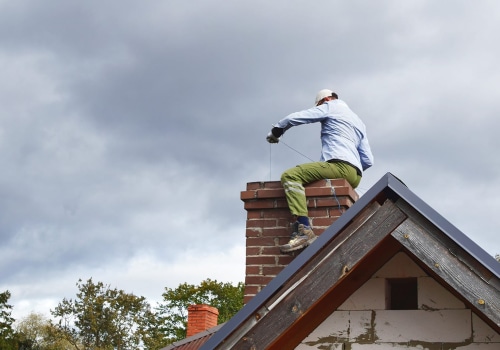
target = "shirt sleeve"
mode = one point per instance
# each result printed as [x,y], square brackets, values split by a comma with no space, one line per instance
[365,154]
[307,116]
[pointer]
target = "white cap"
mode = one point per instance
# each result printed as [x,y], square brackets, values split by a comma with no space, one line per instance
[322,94]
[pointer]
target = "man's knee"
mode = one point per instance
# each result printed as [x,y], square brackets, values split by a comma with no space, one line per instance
[356,182]
[286,175]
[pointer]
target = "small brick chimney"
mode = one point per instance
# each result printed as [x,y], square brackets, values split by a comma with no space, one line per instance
[200,318]
[269,224]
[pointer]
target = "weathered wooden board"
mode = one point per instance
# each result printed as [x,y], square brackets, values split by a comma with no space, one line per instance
[450,263]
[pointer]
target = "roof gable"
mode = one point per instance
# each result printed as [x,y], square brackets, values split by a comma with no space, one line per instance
[389,218]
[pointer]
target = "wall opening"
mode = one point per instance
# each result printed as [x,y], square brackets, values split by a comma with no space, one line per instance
[402,294]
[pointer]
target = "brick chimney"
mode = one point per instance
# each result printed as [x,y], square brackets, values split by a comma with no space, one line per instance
[269,224]
[200,318]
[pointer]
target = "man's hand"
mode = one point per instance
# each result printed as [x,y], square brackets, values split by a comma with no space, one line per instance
[271,138]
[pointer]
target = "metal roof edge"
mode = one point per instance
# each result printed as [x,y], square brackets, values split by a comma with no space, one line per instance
[464,241]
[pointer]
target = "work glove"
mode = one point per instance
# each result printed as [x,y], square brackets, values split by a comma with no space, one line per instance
[271,138]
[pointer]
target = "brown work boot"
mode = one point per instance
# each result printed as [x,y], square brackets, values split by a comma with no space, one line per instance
[302,236]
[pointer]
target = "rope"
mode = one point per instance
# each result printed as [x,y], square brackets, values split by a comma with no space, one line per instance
[293,149]
[334,194]
[270,159]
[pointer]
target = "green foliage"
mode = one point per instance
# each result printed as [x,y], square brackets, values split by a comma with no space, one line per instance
[7,336]
[102,318]
[228,299]
[153,337]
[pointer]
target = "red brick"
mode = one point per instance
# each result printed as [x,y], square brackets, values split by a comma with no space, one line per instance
[272,270]
[276,232]
[260,280]
[271,193]
[263,184]
[253,250]
[265,204]
[332,202]
[270,250]
[261,223]
[319,183]
[323,221]
[282,204]
[345,191]
[311,202]
[254,214]
[334,213]
[285,259]
[319,192]
[254,185]
[244,195]
[253,232]
[260,241]
[261,260]
[287,222]
[253,270]
[277,213]
[318,212]
[252,289]
[273,184]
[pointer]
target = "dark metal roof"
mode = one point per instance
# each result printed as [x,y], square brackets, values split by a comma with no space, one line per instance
[388,187]
[193,342]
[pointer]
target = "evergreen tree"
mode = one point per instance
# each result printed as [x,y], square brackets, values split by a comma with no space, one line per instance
[7,335]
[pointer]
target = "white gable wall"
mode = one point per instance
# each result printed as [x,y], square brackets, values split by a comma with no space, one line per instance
[441,321]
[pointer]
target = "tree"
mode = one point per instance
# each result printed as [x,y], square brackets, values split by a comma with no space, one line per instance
[102,318]
[153,337]
[7,335]
[172,314]
[35,332]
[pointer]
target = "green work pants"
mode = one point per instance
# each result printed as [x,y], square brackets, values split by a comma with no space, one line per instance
[294,179]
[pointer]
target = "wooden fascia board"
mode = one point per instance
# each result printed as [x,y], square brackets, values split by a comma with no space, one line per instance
[451,265]
[318,278]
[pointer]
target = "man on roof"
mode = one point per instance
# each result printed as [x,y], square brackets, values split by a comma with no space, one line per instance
[345,154]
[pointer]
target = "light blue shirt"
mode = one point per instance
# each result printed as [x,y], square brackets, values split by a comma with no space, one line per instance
[343,134]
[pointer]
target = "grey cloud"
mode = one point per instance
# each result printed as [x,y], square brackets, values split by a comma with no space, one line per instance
[130,129]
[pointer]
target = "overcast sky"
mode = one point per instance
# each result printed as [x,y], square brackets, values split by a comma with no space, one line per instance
[129,128]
